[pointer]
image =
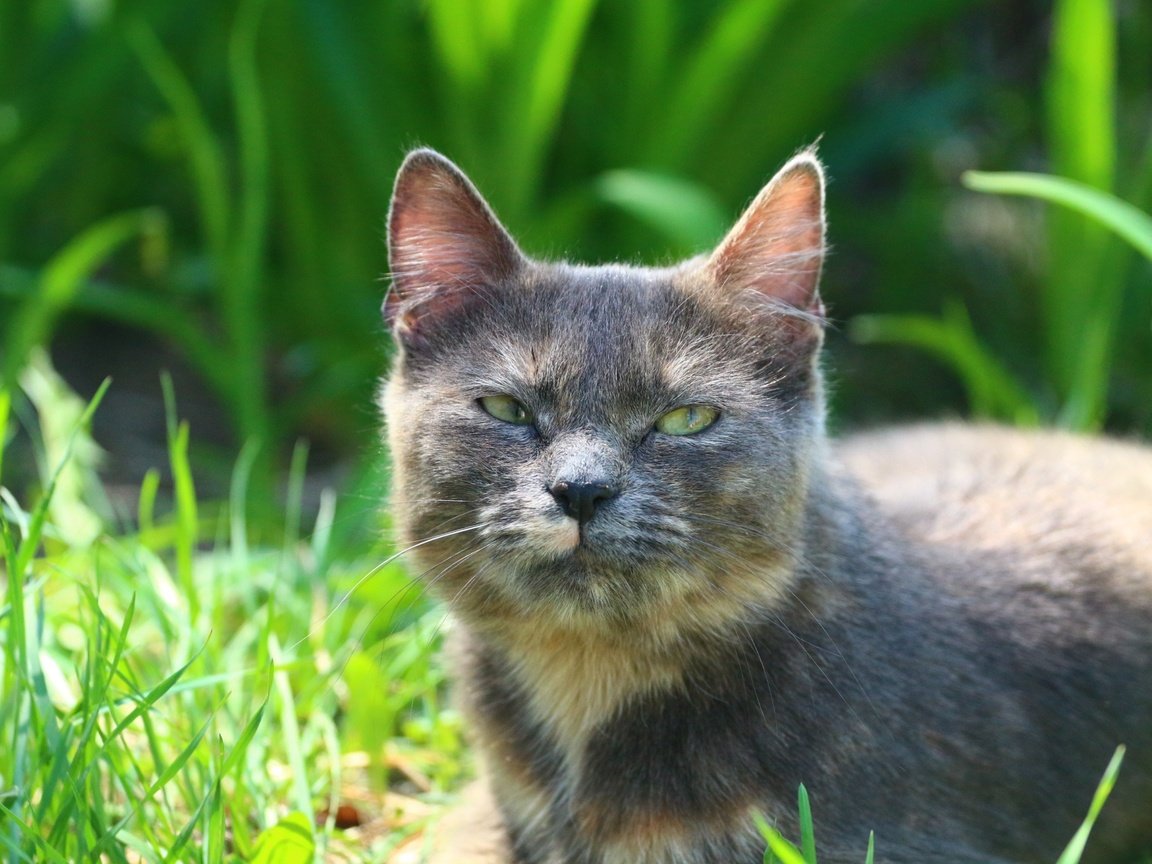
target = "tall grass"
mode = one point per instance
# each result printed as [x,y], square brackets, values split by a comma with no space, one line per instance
[1081,289]
[174,693]
[266,133]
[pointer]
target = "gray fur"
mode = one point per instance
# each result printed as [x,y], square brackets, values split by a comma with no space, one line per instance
[942,632]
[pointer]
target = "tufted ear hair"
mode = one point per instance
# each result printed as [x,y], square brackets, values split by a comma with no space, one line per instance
[444,245]
[775,250]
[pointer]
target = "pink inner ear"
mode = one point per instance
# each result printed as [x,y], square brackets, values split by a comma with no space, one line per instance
[445,244]
[777,247]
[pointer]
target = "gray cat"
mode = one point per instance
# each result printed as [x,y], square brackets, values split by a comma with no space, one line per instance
[676,600]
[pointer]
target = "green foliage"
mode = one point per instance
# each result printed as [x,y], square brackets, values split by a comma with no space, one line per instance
[1120,217]
[1083,283]
[1075,848]
[780,851]
[1084,278]
[164,701]
[266,133]
[61,278]
[992,391]
[289,841]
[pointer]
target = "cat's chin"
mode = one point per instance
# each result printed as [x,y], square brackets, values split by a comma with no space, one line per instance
[587,582]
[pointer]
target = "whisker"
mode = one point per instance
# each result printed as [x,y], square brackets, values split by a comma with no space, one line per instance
[421,580]
[473,579]
[376,569]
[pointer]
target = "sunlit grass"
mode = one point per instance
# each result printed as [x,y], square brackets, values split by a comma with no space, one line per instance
[171,693]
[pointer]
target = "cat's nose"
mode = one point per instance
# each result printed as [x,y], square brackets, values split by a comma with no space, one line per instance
[580,500]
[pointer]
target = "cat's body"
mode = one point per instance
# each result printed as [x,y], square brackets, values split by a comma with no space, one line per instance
[676,602]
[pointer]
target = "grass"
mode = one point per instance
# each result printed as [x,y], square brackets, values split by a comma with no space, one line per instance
[228,178]
[267,134]
[1082,292]
[194,680]
[170,693]
[782,851]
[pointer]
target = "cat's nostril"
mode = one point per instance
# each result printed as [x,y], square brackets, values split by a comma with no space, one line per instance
[580,500]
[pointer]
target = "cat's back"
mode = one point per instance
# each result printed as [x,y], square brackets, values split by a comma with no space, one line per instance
[1038,493]
[1040,542]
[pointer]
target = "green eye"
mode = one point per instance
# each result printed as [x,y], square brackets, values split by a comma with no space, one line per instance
[687,420]
[507,409]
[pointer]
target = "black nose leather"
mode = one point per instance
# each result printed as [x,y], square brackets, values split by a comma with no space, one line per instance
[580,500]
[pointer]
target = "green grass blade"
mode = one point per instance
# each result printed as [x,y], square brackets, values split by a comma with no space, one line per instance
[1082,91]
[807,830]
[684,212]
[1075,848]
[187,523]
[290,571]
[5,409]
[145,702]
[95,693]
[779,848]
[208,170]
[735,35]
[146,503]
[870,856]
[44,851]
[240,747]
[291,733]
[32,323]
[1082,287]
[1120,217]
[166,776]
[216,836]
[545,59]
[992,390]
[185,835]
[463,53]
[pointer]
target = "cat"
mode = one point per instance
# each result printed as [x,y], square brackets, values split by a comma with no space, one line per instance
[675,599]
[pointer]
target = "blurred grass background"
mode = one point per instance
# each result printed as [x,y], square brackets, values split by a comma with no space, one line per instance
[202,188]
[205,190]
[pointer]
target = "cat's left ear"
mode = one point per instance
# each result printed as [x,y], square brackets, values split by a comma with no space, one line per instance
[776,248]
[445,245]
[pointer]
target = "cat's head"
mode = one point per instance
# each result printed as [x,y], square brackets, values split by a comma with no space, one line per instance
[601,445]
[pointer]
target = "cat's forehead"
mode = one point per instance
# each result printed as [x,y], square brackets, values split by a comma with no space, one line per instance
[598,304]
[609,331]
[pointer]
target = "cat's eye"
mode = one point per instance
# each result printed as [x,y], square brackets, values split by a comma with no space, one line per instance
[687,420]
[507,409]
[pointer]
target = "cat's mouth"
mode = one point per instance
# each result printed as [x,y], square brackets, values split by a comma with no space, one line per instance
[569,539]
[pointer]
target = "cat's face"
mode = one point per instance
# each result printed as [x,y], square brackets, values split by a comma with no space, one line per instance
[605,445]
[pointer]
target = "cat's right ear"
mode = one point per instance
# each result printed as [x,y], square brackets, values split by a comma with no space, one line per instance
[445,245]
